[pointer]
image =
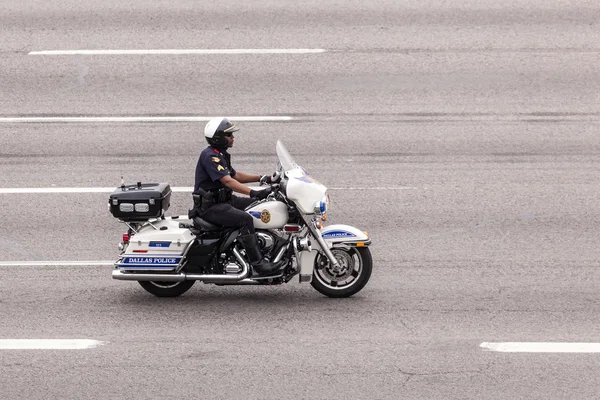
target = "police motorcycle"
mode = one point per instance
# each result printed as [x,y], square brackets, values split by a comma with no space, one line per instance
[167,255]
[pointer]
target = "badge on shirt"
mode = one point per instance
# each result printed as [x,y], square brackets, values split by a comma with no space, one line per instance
[216,159]
[220,168]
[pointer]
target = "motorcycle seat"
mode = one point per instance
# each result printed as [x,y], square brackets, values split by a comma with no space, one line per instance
[205,225]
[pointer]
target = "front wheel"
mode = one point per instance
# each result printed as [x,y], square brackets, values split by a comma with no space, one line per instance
[166,289]
[355,265]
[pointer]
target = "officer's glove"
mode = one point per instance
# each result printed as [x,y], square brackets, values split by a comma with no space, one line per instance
[266,180]
[270,180]
[260,194]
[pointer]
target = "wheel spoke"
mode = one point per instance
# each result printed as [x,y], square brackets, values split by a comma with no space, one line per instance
[350,267]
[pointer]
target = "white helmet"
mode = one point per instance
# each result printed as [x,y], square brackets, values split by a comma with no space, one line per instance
[216,129]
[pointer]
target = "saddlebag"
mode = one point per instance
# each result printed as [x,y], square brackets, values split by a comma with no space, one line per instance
[140,202]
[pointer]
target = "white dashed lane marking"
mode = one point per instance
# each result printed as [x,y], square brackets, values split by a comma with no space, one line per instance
[54,263]
[172,52]
[49,344]
[542,347]
[141,118]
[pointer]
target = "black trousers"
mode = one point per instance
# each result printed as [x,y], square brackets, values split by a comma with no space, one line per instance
[231,215]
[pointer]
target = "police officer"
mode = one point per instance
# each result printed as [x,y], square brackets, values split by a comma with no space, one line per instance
[216,179]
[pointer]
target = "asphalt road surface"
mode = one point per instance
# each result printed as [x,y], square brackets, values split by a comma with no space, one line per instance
[463,136]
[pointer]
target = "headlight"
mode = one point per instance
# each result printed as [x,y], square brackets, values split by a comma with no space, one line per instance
[143,207]
[321,206]
[126,207]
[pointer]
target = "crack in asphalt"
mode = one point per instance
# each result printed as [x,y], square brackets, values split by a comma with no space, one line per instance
[410,375]
[405,325]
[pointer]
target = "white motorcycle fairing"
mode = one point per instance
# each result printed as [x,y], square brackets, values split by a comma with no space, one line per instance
[304,190]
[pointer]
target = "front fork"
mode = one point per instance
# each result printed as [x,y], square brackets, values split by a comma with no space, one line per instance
[317,235]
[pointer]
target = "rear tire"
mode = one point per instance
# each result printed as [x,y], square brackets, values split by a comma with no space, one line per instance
[355,269]
[166,289]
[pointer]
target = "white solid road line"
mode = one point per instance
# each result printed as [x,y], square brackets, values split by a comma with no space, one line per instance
[173,51]
[175,189]
[48,344]
[53,263]
[60,190]
[542,347]
[142,118]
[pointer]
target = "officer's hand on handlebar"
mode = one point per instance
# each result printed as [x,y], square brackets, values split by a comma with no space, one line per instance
[265,180]
[269,180]
[260,194]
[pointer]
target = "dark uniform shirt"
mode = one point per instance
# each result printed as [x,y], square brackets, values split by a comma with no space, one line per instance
[213,164]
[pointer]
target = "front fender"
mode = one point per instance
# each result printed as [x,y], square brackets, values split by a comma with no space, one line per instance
[345,234]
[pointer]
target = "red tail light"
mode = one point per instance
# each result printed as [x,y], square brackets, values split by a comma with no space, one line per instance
[291,228]
[125,238]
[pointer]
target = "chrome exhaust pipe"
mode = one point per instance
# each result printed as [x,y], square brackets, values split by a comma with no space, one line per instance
[246,281]
[244,273]
[129,276]
[214,278]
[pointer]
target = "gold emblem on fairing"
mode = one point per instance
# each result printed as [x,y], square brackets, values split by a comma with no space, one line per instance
[265,216]
[216,159]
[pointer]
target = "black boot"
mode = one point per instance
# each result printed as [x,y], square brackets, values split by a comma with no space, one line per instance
[259,264]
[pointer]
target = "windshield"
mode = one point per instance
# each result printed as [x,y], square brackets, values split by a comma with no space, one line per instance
[286,162]
[289,168]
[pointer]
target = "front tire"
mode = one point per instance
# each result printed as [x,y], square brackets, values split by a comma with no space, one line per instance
[166,289]
[353,274]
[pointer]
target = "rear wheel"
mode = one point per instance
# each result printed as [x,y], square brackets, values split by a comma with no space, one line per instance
[166,289]
[353,273]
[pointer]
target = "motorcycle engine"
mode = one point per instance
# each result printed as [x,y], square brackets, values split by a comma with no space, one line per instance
[230,265]
[265,241]
[232,268]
